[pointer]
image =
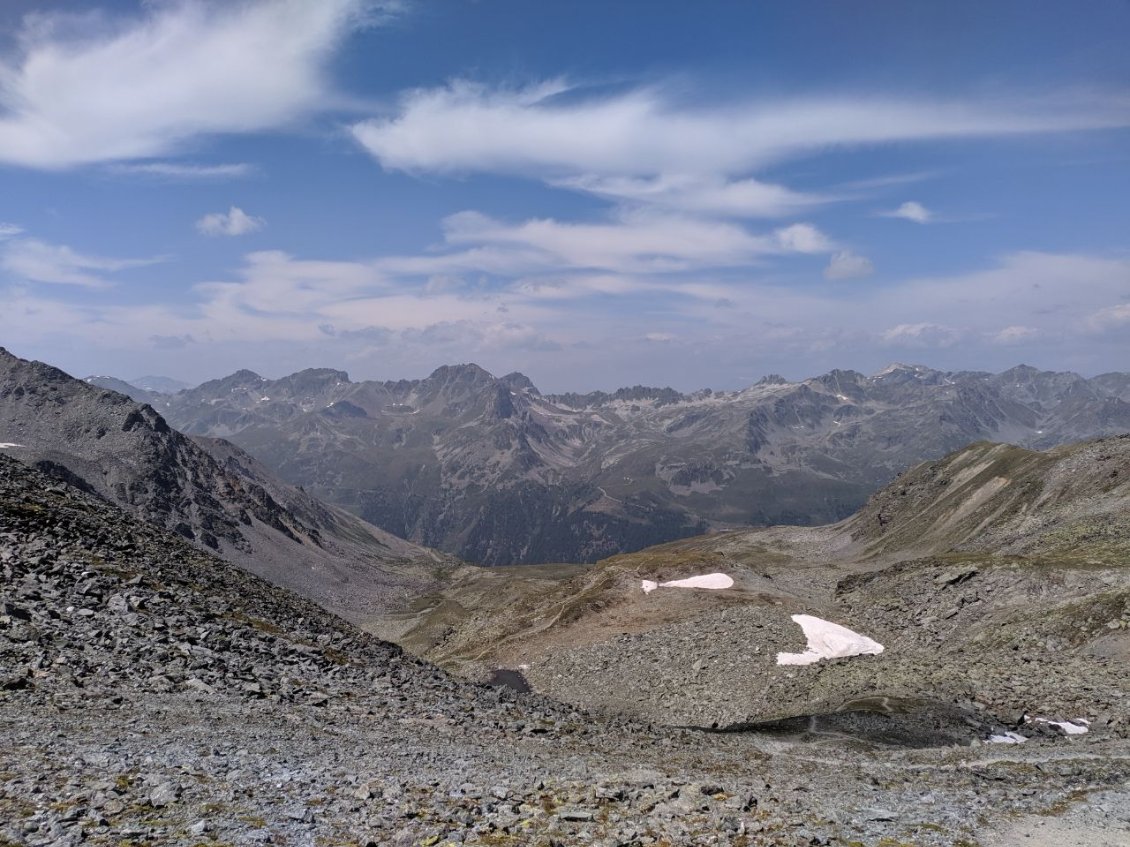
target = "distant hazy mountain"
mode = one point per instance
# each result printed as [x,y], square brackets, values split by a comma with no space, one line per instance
[159,384]
[491,469]
[144,389]
[206,490]
[134,392]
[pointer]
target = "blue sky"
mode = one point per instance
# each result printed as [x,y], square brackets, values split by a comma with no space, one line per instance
[596,194]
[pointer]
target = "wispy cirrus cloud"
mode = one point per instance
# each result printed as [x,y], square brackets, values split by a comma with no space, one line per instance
[32,260]
[186,171]
[537,130]
[646,147]
[699,194]
[90,88]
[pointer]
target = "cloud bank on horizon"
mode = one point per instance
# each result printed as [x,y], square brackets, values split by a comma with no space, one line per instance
[656,214]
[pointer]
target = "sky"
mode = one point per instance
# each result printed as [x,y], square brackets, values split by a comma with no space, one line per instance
[595,194]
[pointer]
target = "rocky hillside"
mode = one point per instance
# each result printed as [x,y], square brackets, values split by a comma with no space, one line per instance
[151,693]
[1072,502]
[997,576]
[494,471]
[208,491]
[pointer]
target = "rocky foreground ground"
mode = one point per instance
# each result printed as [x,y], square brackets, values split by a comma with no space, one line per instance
[152,694]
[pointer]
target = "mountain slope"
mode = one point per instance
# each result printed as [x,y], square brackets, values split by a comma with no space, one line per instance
[493,470]
[209,492]
[152,693]
[1069,502]
[997,575]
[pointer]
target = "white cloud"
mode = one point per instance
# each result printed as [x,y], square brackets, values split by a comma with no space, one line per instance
[848,265]
[536,131]
[802,238]
[273,282]
[635,243]
[921,335]
[613,324]
[186,170]
[695,193]
[887,181]
[37,261]
[9,230]
[1016,335]
[910,211]
[1109,318]
[234,221]
[86,89]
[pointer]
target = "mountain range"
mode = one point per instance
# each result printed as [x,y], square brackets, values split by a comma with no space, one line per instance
[490,469]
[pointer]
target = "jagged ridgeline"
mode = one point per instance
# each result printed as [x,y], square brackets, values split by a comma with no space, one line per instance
[498,473]
[206,490]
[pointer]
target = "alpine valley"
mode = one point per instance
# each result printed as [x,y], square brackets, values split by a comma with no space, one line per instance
[194,651]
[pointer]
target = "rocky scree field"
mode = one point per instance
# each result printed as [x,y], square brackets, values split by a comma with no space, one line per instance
[152,693]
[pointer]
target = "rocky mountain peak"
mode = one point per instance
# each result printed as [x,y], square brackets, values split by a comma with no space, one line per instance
[516,381]
[464,373]
[242,378]
[772,379]
[311,380]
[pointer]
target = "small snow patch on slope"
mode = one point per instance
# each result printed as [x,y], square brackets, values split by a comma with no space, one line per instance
[1075,727]
[713,581]
[828,640]
[1007,738]
[6,444]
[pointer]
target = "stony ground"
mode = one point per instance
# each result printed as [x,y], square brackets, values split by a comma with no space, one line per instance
[152,694]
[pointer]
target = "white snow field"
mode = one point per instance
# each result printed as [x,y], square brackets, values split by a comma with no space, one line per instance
[713,581]
[828,640]
[5,444]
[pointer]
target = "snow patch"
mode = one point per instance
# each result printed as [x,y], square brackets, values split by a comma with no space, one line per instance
[1007,738]
[828,640]
[1079,726]
[6,444]
[713,581]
